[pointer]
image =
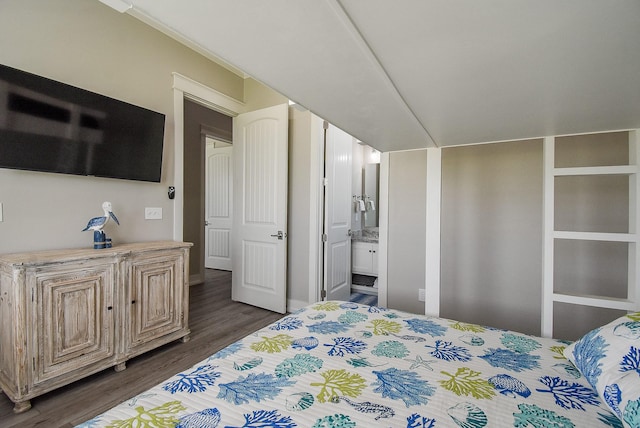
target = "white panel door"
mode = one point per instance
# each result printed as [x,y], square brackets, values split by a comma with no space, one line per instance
[260,142]
[338,206]
[218,207]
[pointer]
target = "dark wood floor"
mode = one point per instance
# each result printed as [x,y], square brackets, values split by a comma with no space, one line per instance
[215,322]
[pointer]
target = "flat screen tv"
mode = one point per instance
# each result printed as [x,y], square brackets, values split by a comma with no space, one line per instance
[54,127]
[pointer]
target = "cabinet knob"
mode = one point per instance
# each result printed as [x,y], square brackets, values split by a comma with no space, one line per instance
[133,302]
[109,308]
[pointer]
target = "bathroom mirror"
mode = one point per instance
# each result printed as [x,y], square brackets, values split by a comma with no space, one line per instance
[371,181]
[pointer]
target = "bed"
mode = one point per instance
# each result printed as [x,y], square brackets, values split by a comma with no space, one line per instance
[342,364]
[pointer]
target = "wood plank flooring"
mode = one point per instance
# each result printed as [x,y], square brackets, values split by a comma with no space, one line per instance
[215,322]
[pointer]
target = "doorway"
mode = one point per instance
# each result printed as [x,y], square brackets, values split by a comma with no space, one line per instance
[260,197]
[200,124]
[350,235]
[318,271]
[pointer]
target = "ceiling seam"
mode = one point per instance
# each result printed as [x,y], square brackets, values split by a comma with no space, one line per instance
[344,17]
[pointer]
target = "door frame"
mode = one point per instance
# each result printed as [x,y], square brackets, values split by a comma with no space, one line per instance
[316,210]
[186,88]
[383,228]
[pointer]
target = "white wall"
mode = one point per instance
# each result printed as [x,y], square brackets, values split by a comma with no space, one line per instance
[89,45]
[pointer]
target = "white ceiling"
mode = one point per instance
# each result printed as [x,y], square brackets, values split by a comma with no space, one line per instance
[402,74]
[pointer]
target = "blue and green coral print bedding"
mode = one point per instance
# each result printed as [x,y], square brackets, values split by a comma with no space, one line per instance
[341,364]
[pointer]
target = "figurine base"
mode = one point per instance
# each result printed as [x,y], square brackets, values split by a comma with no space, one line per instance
[99,240]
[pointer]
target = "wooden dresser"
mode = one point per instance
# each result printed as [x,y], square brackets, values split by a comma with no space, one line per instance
[70,313]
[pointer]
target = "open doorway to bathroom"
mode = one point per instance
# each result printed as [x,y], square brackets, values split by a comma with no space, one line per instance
[364,245]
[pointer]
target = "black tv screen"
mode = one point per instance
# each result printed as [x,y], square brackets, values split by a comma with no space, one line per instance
[54,127]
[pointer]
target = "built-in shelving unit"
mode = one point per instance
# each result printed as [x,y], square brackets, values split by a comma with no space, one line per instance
[606,295]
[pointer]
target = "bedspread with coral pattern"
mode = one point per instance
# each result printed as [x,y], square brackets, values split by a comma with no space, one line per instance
[340,364]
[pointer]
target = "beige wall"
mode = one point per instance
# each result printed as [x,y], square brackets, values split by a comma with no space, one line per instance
[407,228]
[298,238]
[258,96]
[492,235]
[89,45]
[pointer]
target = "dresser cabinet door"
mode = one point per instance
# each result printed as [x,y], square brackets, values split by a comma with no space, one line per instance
[156,298]
[75,319]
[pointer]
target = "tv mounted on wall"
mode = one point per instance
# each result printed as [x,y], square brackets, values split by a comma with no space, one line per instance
[54,127]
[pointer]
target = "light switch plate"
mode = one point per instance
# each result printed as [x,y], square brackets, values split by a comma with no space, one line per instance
[421,294]
[153,213]
[1,218]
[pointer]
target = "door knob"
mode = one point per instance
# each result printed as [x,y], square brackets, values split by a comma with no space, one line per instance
[280,235]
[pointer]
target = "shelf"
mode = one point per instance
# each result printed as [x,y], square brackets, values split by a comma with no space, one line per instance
[596,301]
[596,236]
[597,170]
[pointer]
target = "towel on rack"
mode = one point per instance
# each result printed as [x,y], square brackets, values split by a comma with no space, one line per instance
[361,205]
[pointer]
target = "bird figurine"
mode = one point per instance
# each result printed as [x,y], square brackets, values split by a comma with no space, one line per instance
[97,223]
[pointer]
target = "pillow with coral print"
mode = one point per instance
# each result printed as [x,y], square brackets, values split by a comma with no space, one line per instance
[609,358]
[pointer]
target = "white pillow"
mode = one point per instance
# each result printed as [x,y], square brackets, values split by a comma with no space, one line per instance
[609,358]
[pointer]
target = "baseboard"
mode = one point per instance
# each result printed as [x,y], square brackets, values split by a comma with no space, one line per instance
[196,279]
